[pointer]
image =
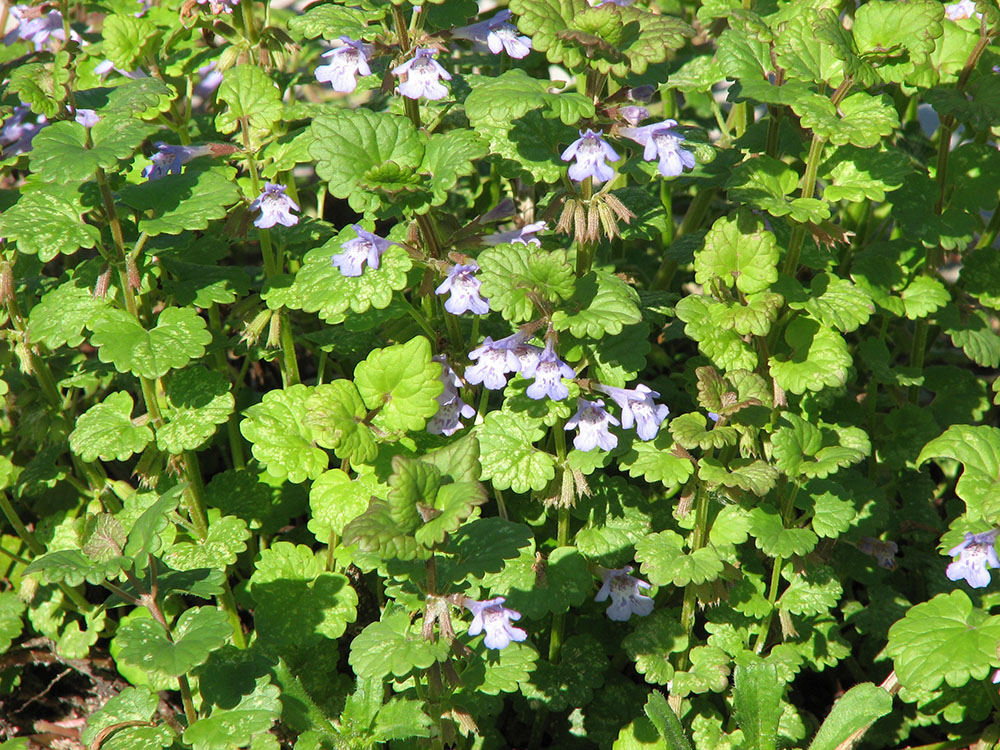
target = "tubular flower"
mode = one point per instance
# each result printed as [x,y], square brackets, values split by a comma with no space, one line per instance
[626,598]
[495,359]
[961,10]
[498,35]
[638,408]
[883,552]
[423,76]
[592,419]
[495,619]
[169,159]
[976,555]
[661,142]
[220,7]
[365,247]
[590,150]
[548,373]
[464,287]
[36,26]
[524,236]
[275,207]
[16,134]
[346,63]
[451,407]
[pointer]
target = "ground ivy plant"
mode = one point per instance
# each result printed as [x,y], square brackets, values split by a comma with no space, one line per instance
[560,374]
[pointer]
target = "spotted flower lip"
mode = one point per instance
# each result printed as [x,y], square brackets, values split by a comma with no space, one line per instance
[660,141]
[975,556]
[345,65]
[275,207]
[169,159]
[464,287]
[638,408]
[548,373]
[523,236]
[592,419]
[590,151]
[423,76]
[626,597]
[498,35]
[366,247]
[490,615]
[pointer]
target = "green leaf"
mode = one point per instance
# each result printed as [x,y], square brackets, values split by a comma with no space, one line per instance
[535,589]
[512,275]
[377,530]
[402,383]
[813,591]
[725,348]
[320,287]
[103,538]
[254,103]
[856,174]
[199,400]
[482,546]
[128,39]
[232,728]
[765,183]
[689,432]
[973,332]
[144,538]
[805,449]
[755,317]
[738,251]
[447,157]
[977,448]
[280,438]
[981,276]
[348,144]
[180,335]
[333,21]
[505,673]
[202,285]
[818,358]
[163,205]
[601,304]
[944,640]
[392,646]
[67,152]
[861,119]
[42,86]
[833,301]
[47,222]
[227,537]
[106,430]
[662,716]
[830,506]
[401,718]
[298,602]
[133,705]
[664,561]
[855,710]
[335,499]
[336,414]
[59,319]
[757,693]
[503,99]
[746,474]
[923,296]
[897,37]
[529,145]
[73,567]
[655,461]
[509,457]
[199,631]
[581,672]
[774,539]
[11,619]
[656,637]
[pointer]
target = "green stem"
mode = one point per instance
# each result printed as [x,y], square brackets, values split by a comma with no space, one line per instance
[698,539]
[918,350]
[196,503]
[228,603]
[808,188]
[291,362]
[249,27]
[559,619]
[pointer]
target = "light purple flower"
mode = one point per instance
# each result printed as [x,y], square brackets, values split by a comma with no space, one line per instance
[884,552]
[346,63]
[36,26]
[16,134]
[961,10]
[86,117]
[638,408]
[220,6]
[713,416]
[464,287]
[498,35]
[976,555]
[451,407]
[423,76]
[365,247]
[996,677]
[169,159]
[633,114]
[661,142]
[495,619]
[590,150]
[275,207]
[619,3]
[524,236]
[626,599]
[144,6]
[106,66]
[592,419]
[548,373]
[495,359]
[210,78]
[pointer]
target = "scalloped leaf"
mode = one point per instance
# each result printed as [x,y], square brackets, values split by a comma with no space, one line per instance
[179,336]
[106,430]
[511,274]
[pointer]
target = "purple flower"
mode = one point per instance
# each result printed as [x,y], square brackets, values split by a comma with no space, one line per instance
[220,6]
[16,134]
[996,677]
[961,10]
[423,76]
[590,151]
[169,159]
[365,247]
[345,64]
[86,117]
[464,287]
[663,143]
[626,600]
[883,552]
[633,114]
[593,420]
[275,207]
[451,407]
[638,408]
[548,373]
[976,555]
[495,358]
[494,618]
[36,26]
[713,416]
[210,78]
[498,35]
[106,66]
[524,236]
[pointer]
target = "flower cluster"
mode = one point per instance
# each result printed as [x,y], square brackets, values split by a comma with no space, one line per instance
[451,407]
[659,140]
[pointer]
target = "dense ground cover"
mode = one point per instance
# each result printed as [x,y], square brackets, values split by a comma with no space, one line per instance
[553,375]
